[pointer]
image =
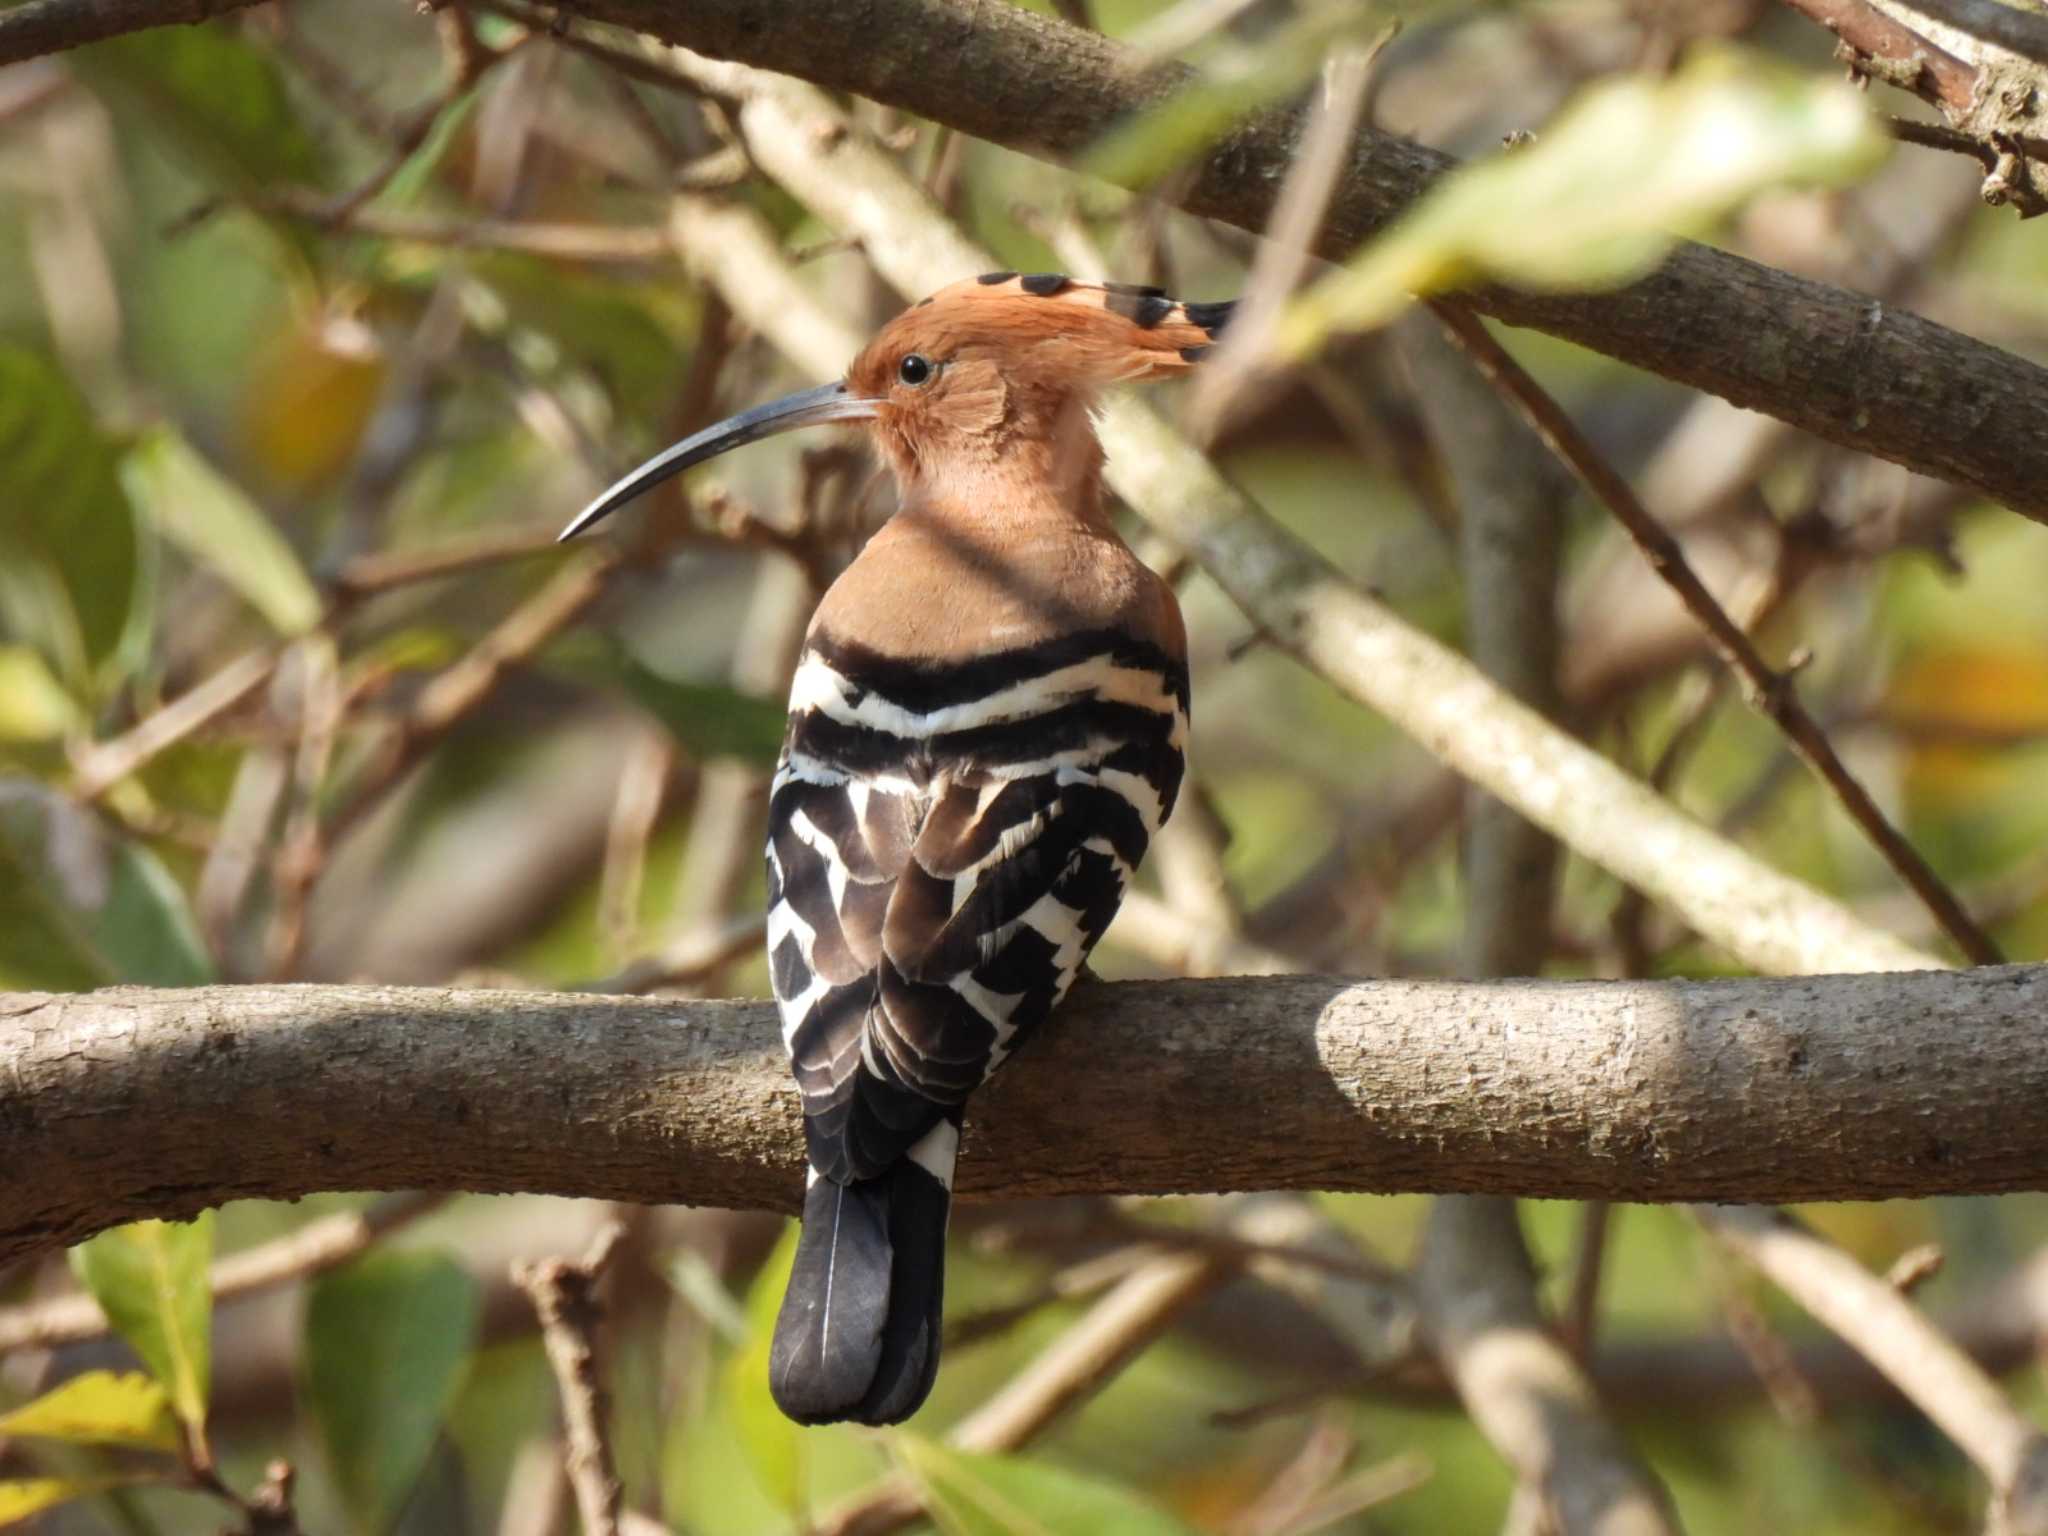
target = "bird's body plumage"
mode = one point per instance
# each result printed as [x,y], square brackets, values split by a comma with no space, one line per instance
[986,729]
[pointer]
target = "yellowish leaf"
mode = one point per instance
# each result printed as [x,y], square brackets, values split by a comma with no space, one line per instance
[26,1496]
[99,1408]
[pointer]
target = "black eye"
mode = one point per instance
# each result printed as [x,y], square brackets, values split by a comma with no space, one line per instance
[914,369]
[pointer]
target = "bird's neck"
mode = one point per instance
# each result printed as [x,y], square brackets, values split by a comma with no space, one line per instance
[956,576]
[1030,481]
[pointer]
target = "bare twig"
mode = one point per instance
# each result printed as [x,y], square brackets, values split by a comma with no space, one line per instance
[459,690]
[1522,1389]
[1298,212]
[1079,1363]
[1893,52]
[636,808]
[100,767]
[1900,1341]
[1968,58]
[698,954]
[301,848]
[1578,1326]
[1184,946]
[564,1293]
[383,571]
[1770,692]
[318,1246]
[594,243]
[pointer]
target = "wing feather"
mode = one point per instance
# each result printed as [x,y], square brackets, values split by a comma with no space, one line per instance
[934,906]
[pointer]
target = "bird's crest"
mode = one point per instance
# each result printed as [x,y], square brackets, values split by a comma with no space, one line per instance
[1051,328]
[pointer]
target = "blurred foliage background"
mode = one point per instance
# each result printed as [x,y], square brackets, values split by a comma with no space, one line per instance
[317,322]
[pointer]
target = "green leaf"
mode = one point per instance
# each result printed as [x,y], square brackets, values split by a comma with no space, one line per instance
[81,907]
[215,96]
[417,173]
[22,1497]
[151,1279]
[72,569]
[100,1408]
[387,1342]
[768,1438]
[709,719]
[1209,105]
[970,1495]
[628,333]
[1627,169]
[203,513]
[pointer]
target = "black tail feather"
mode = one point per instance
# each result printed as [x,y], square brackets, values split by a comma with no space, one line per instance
[858,1334]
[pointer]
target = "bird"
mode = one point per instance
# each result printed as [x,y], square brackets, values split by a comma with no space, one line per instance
[987,726]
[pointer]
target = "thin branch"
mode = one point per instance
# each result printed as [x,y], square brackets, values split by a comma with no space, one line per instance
[1992,98]
[698,954]
[1891,51]
[1770,692]
[1910,130]
[564,1295]
[1658,1091]
[1921,1361]
[468,62]
[595,243]
[1524,1391]
[457,692]
[1246,348]
[98,768]
[384,571]
[1073,1368]
[318,1246]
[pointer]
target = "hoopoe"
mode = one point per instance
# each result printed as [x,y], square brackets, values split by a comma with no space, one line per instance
[986,729]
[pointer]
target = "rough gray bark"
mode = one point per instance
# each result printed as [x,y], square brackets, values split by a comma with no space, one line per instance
[128,1103]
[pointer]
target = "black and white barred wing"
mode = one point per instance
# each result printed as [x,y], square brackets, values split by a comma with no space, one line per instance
[922,924]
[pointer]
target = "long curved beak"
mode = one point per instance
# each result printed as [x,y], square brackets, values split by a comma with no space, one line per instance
[828,402]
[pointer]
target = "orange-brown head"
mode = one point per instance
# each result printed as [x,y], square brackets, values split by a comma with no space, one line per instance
[986,367]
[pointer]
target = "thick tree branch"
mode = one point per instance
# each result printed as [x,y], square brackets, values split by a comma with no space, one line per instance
[129,1102]
[51,26]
